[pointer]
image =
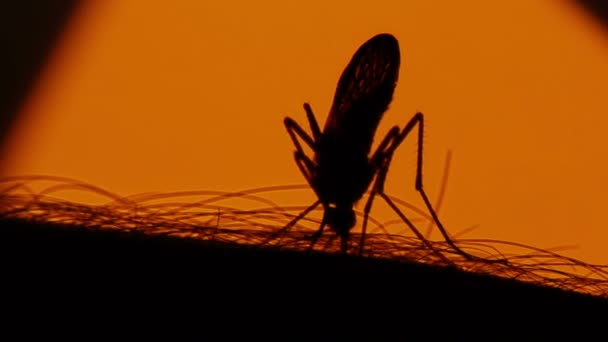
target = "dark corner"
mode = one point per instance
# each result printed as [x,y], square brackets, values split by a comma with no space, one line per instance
[28,32]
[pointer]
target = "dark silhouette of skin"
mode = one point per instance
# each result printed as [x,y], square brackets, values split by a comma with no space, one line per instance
[182,283]
[342,169]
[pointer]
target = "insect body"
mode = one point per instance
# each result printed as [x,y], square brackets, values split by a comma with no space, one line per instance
[342,169]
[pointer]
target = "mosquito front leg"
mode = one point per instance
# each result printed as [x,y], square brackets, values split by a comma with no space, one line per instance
[306,166]
[418,119]
[312,121]
[294,130]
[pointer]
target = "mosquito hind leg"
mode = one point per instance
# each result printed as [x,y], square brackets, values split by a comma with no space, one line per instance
[379,190]
[418,119]
[380,162]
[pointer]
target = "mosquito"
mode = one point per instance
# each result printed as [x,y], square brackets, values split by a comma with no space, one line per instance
[342,169]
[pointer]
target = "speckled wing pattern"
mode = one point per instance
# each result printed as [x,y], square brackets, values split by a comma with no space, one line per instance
[366,86]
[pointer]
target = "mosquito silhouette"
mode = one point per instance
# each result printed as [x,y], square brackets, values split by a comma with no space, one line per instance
[343,169]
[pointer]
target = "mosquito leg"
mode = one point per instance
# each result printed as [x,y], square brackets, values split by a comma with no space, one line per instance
[413,228]
[312,121]
[442,191]
[375,163]
[378,189]
[305,165]
[378,156]
[299,217]
[295,130]
[419,119]
[367,209]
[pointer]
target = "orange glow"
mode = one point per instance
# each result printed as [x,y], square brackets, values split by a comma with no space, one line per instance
[155,97]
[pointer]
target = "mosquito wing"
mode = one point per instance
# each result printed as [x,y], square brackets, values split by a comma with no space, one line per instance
[364,91]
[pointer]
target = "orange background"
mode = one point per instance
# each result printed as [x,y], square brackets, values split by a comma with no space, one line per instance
[151,96]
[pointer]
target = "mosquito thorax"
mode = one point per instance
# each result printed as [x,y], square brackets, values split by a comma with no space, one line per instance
[341,219]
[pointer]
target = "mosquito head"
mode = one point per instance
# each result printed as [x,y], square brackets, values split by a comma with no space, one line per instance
[341,219]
